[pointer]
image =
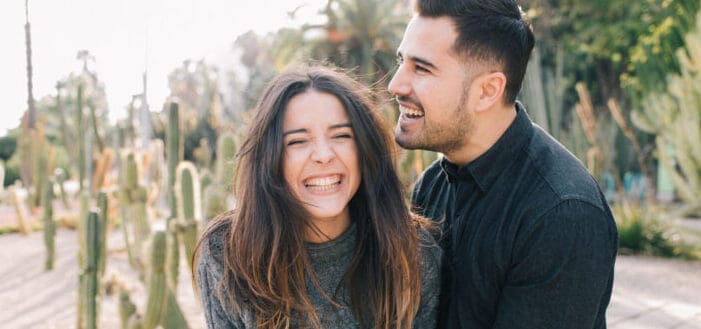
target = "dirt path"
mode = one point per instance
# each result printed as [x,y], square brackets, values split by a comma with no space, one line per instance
[33,298]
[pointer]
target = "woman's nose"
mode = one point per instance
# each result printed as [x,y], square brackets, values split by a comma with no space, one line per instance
[322,152]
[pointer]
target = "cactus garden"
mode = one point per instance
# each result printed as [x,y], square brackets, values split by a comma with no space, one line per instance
[104,198]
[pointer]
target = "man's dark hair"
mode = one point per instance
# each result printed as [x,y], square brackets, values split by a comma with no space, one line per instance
[489,31]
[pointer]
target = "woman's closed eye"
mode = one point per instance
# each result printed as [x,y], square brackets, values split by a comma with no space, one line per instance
[296,142]
[343,136]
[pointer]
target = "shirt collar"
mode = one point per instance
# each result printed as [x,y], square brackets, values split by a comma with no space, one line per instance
[488,167]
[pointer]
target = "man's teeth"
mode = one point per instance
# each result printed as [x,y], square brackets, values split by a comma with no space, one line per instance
[411,112]
[322,184]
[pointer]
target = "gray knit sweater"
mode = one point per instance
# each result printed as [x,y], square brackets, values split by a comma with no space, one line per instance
[330,261]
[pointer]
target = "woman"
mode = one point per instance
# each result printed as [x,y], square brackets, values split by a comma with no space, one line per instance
[321,237]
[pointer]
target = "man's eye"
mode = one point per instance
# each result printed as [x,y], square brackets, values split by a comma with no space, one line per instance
[421,68]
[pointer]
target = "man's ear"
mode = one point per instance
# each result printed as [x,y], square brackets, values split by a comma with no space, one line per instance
[491,87]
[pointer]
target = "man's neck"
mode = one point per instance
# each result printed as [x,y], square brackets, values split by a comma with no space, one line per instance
[489,126]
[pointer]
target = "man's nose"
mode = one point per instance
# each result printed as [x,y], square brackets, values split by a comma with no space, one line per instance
[398,86]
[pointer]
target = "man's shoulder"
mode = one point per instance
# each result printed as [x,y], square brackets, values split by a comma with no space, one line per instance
[563,176]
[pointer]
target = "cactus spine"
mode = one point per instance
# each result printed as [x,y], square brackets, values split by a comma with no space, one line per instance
[187,194]
[90,271]
[49,225]
[157,287]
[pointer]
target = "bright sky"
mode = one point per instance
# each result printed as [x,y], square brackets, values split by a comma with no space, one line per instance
[118,33]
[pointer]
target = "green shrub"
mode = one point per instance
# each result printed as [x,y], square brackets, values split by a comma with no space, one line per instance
[640,231]
[8,145]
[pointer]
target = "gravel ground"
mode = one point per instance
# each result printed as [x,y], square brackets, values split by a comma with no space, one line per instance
[646,289]
[31,297]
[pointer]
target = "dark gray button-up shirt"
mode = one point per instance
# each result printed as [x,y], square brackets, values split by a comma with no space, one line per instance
[528,237]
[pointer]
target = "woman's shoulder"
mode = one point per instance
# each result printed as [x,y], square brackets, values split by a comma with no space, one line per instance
[213,242]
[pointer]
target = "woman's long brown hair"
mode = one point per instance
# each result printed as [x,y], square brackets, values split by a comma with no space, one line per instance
[265,258]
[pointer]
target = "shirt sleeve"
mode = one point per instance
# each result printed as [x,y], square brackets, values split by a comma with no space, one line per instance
[431,260]
[561,274]
[209,273]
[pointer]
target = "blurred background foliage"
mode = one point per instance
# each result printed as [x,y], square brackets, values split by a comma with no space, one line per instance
[610,79]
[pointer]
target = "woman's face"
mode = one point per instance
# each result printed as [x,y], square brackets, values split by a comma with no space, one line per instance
[320,160]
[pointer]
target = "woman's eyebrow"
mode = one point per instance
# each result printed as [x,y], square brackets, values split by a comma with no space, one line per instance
[341,125]
[295,131]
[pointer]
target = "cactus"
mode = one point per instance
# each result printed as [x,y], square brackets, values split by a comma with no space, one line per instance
[174,317]
[226,154]
[102,167]
[187,193]
[82,253]
[90,275]
[49,225]
[217,193]
[157,287]
[40,174]
[103,206]
[135,222]
[126,308]
[214,201]
[81,138]
[173,156]
[60,176]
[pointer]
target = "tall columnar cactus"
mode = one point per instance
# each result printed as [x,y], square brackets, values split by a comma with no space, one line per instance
[187,192]
[135,222]
[226,155]
[90,271]
[82,254]
[173,156]
[103,207]
[157,286]
[40,168]
[81,138]
[675,117]
[102,167]
[157,168]
[49,225]
[217,193]
[60,176]
[174,317]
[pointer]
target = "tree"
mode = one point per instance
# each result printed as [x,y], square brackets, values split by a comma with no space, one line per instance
[674,116]
[358,34]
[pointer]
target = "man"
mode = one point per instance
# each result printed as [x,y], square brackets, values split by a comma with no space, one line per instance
[529,238]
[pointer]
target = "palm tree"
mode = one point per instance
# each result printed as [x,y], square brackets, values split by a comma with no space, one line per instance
[358,34]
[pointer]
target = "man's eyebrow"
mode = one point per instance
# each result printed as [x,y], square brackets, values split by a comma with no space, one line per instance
[417,59]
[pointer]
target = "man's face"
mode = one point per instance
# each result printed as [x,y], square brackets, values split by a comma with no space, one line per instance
[431,86]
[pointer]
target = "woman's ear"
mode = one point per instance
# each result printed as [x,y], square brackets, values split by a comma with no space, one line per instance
[491,88]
